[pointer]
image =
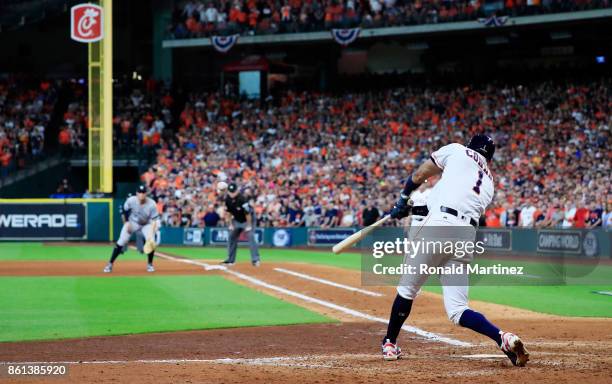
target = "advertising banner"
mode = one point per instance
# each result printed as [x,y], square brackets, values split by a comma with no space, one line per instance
[328,236]
[30,221]
[281,238]
[192,236]
[495,239]
[219,236]
[559,241]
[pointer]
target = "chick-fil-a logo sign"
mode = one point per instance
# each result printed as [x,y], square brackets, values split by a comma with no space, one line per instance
[86,23]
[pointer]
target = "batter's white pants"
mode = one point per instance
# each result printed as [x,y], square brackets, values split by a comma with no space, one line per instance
[454,288]
[129,228]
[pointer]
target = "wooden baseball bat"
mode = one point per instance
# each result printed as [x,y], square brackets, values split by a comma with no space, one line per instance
[355,237]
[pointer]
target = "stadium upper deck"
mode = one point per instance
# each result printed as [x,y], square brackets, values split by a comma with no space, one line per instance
[204,18]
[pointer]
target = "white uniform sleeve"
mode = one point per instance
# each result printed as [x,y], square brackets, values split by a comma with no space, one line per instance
[126,205]
[441,156]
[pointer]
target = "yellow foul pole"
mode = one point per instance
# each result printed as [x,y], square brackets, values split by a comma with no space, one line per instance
[100,73]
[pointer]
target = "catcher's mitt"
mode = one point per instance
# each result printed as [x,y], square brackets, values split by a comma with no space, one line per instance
[149,246]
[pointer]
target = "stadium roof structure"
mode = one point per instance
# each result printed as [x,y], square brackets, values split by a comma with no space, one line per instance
[426,29]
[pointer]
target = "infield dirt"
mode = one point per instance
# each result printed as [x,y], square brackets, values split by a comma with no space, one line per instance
[562,349]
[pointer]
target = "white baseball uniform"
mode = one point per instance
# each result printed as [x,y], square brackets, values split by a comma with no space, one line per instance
[419,198]
[466,189]
[141,218]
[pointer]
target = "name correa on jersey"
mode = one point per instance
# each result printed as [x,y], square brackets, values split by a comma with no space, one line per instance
[480,161]
[462,185]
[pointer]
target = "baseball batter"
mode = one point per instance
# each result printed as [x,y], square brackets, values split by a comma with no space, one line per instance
[140,214]
[454,206]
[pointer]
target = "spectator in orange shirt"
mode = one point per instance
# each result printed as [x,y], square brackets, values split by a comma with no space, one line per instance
[65,141]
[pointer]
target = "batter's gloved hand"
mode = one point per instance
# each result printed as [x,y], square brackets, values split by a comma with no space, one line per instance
[401,208]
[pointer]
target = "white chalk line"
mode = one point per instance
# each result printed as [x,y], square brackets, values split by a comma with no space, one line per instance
[300,361]
[328,282]
[418,331]
[275,361]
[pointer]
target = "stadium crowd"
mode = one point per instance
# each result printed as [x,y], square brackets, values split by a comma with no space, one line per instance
[339,160]
[140,115]
[196,18]
[26,107]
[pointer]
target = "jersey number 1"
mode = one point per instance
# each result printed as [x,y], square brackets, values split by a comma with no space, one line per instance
[478,182]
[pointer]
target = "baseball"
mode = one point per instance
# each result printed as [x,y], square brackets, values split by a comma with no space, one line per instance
[221,187]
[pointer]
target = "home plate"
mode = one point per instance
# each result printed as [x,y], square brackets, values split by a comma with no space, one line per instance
[483,356]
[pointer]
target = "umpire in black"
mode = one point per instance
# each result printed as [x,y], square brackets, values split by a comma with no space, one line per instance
[242,218]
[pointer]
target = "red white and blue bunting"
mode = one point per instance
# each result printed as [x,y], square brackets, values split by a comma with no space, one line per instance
[494,21]
[224,43]
[345,36]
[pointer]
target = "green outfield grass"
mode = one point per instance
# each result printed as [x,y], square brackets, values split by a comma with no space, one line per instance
[40,251]
[322,257]
[577,300]
[573,300]
[36,308]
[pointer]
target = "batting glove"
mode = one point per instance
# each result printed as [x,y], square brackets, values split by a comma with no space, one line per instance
[401,208]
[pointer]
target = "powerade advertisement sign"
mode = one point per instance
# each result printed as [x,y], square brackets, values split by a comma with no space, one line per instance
[499,240]
[43,221]
[328,236]
[219,236]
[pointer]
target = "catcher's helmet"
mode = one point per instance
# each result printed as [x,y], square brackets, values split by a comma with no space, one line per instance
[484,145]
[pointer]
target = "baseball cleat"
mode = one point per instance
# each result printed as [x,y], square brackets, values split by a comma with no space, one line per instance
[513,347]
[150,268]
[227,262]
[108,268]
[391,351]
[256,263]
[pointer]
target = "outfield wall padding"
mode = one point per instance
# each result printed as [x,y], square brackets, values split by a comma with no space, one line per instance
[541,242]
[56,219]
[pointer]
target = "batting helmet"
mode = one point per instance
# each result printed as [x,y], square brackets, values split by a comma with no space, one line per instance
[484,145]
